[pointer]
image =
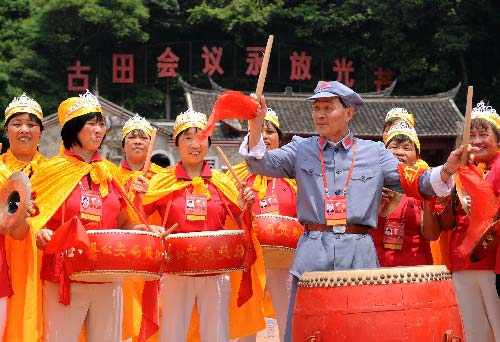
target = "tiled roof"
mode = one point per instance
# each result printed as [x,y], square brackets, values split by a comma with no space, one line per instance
[435,115]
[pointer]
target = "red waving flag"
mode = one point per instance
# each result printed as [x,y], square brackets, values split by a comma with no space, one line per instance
[229,105]
[484,206]
[246,292]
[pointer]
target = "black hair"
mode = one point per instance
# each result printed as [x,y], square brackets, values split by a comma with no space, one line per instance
[133,131]
[479,123]
[389,123]
[71,128]
[402,138]
[32,117]
[183,131]
[280,132]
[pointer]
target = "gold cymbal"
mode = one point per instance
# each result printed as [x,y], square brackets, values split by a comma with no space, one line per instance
[14,197]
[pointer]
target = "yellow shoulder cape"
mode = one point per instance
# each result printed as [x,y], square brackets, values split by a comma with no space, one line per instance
[260,182]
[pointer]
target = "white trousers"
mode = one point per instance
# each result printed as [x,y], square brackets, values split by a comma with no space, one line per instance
[3,316]
[179,294]
[479,305]
[279,285]
[99,306]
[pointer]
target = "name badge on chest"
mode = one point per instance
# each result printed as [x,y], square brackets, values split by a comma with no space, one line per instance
[393,235]
[269,205]
[91,205]
[196,207]
[336,210]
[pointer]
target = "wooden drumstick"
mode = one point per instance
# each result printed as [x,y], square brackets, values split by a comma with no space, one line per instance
[229,166]
[263,69]
[466,140]
[169,230]
[147,163]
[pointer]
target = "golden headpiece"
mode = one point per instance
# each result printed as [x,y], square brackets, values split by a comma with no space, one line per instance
[137,122]
[188,119]
[272,117]
[400,113]
[401,127]
[488,113]
[78,106]
[23,104]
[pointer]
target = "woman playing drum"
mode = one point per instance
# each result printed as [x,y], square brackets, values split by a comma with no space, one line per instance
[474,283]
[79,185]
[199,200]
[402,237]
[275,196]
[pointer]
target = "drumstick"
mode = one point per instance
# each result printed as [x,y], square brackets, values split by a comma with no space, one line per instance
[147,163]
[263,69]
[468,110]
[229,166]
[138,213]
[169,230]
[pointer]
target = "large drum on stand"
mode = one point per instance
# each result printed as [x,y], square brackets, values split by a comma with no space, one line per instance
[386,304]
[117,255]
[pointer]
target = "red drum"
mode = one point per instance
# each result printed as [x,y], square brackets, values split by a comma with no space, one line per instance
[204,253]
[117,255]
[278,236]
[387,304]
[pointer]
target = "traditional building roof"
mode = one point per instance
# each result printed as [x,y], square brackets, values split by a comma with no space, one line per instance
[435,115]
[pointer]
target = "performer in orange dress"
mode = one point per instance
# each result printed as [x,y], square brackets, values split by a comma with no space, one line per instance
[474,282]
[63,185]
[402,238]
[23,127]
[19,233]
[200,199]
[275,196]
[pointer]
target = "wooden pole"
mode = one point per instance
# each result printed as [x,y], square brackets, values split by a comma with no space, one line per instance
[466,135]
[263,70]
[147,162]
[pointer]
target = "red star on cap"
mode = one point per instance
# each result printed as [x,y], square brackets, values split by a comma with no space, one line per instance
[324,84]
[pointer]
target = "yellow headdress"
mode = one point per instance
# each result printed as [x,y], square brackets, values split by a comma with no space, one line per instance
[272,117]
[488,113]
[137,122]
[23,104]
[188,119]
[400,113]
[401,127]
[78,106]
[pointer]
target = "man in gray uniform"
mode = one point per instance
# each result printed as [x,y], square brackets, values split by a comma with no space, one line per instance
[336,169]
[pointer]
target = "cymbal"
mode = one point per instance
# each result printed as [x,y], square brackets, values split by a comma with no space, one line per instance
[389,206]
[14,197]
[488,241]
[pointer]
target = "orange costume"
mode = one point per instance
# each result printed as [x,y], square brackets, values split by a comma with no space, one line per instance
[23,257]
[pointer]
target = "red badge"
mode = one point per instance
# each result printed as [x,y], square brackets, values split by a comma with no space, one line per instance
[336,210]
[196,207]
[393,235]
[269,205]
[91,205]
